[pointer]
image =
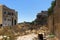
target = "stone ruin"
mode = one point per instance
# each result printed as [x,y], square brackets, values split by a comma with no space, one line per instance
[54,20]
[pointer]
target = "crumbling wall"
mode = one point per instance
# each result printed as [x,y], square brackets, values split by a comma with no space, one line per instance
[50,23]
[54,20]
[57,21]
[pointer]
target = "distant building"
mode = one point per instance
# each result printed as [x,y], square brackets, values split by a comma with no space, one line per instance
[41,18]
[8,17]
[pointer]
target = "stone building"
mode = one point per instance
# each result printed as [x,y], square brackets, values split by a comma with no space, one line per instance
[8,17]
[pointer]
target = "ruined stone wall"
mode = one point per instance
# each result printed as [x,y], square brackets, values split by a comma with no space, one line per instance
[50,23]
[54,20]
[54,24]
[57,21]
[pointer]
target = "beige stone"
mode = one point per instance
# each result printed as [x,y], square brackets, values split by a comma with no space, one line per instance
[8,17]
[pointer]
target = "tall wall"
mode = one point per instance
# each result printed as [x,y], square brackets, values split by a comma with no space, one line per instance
[0,14]
[57,19]
[50,23]
[54,20]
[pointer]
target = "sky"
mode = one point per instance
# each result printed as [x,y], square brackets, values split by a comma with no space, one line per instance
[27,9]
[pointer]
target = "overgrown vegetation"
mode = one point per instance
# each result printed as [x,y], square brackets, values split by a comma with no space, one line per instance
[51,9]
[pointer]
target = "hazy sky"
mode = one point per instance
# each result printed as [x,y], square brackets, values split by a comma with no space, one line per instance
[27,9]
